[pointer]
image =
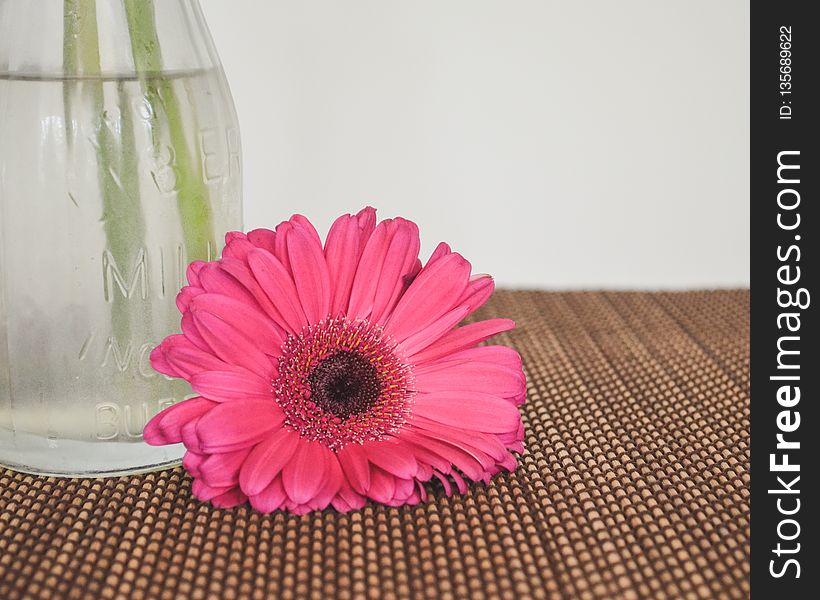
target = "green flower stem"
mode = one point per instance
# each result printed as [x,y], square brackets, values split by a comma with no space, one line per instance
[81,50]
[192,191]
[117,161]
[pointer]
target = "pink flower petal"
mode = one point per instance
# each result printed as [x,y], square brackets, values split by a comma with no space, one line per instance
[367,222]
[435,330]
[270,498]
[189,437]
[431,295]
[186,295]
[367,275]
[222,470]
[280,245]
[234,425]
[263,238]
[392,457]
[494,354]
[303,474]
[279,287]
[238,248]
[490,378]
[469,464]
[468,410]
[266,460]
[491,360]
[425,456]
[234,235]
[512,444]
[462,338]
[159,358]
[192,272]
[345,243]
[509,463]
[425,470]
[355,466]
[404,490]
[300,509]
[409,277]
[191,462]
[236,384]
[513,439]
[229,499]
[478,292]
[382,485]
[231,346]
[468,443]
[347,499]
[422,491]
[303,223]
[165,428]
[402,253]
[217,281]
[460,483]
[242,273]
[340,504]
[331,483]
[187,359]
[205,492]
[246,319]
[448,488]
[486,443]
[310,274]
[283,231]
[340,249]
[411,500]
[441,251]
[191,331]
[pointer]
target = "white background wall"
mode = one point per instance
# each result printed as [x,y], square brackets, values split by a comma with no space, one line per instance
[556,144]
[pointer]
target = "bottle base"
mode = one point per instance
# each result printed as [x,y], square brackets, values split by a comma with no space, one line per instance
[50,457]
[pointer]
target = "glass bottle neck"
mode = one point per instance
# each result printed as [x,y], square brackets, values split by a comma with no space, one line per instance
[103,38]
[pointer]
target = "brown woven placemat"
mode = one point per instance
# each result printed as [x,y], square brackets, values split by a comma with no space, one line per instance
[634,485]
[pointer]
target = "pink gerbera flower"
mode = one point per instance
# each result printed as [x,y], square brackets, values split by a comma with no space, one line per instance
[330,375]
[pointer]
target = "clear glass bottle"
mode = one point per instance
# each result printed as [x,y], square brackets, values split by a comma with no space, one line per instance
[119,164]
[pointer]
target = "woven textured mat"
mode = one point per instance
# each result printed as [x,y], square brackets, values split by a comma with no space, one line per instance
[634,485]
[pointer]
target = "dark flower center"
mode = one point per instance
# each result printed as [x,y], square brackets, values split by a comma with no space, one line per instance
[339,382]
[345,384]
